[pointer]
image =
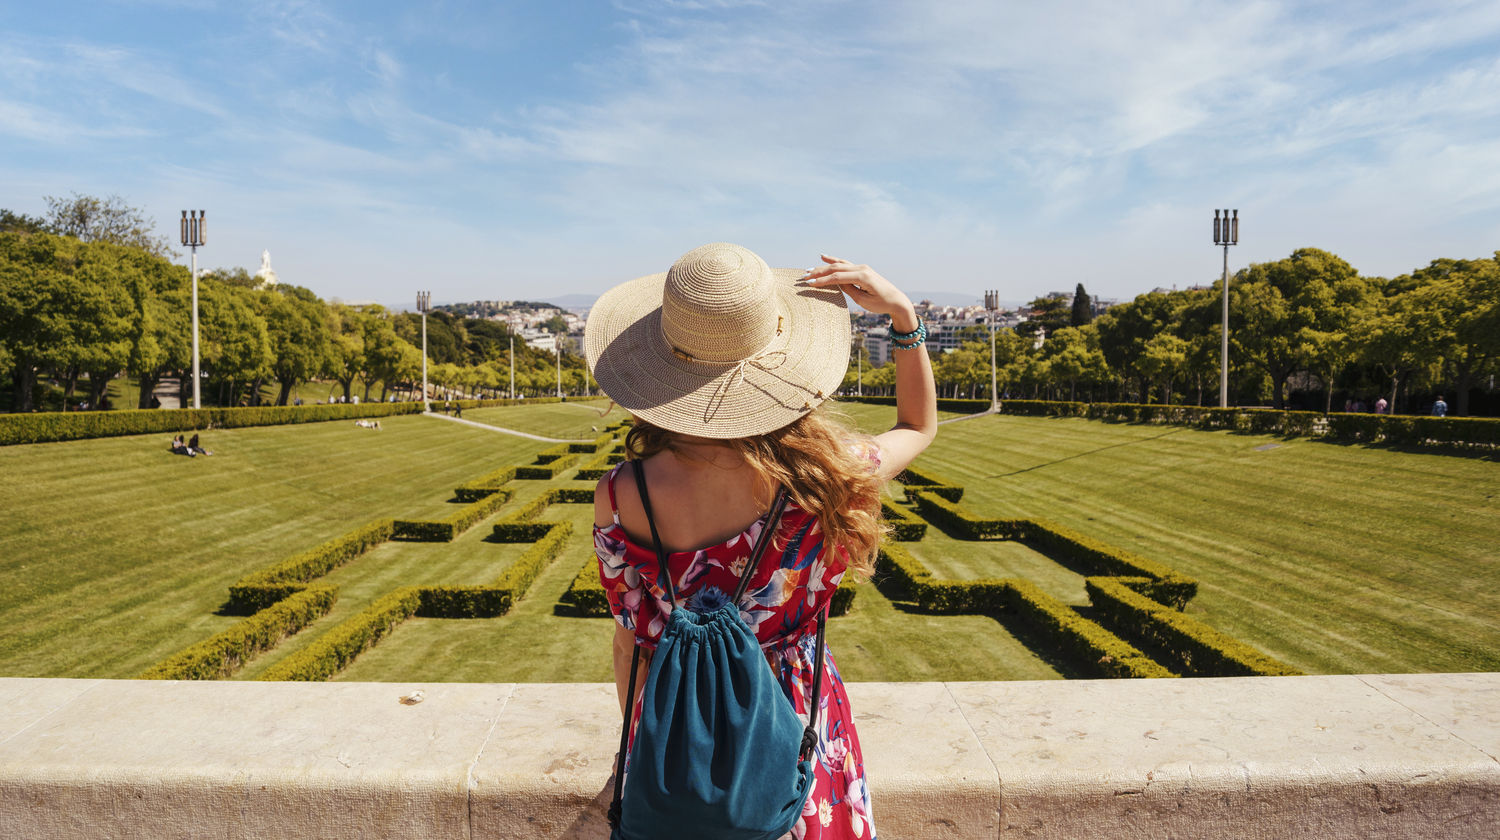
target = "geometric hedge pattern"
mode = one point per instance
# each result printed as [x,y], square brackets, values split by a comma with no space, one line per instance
[1140,630]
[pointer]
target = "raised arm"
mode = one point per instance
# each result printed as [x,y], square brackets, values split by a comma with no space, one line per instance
[916,395]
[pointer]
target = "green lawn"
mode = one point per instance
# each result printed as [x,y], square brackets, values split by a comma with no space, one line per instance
[578,420]
[1335,559]
[115,553]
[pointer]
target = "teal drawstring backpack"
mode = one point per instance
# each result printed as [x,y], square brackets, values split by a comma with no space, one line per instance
[719,753]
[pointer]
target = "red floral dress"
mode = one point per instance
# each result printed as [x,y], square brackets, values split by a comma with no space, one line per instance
[781,605]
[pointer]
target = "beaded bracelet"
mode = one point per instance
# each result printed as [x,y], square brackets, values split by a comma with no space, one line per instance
[910,340]
[921,330]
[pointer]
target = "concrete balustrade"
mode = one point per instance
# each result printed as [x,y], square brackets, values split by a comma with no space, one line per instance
[1391,756]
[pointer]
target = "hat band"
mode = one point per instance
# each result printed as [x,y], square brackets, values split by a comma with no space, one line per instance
[761,359]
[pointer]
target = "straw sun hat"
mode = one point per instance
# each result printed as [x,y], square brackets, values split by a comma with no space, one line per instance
[721,346]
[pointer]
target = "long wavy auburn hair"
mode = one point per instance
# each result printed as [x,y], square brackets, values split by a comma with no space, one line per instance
[816,458]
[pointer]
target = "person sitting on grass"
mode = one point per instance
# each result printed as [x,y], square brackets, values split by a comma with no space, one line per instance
[194,448]
[180,448]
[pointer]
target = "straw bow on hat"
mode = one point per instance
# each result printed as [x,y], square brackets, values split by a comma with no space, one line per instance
[720,346]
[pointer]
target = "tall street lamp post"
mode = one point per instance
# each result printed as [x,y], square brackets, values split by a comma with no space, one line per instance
[557,346]
[424,303]
[512,366]
[194,227]
[1226,233]
[992,307]
[859,360]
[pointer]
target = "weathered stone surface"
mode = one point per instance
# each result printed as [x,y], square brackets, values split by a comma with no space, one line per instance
[1326,757]
[1393,756]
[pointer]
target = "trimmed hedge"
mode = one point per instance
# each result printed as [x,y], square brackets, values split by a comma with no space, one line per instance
[219,656]
[78,425]
[261,589]
[1095,649]
[925,480]
[905,526]
[334,650]
[1089,556]
[449,527]
[1396,429]
[1085,642]
[585,595]
[483,486]
[958,522]
[1197,649]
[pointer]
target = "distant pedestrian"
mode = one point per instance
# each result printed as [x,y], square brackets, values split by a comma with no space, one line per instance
[1440,408]
[1380,405]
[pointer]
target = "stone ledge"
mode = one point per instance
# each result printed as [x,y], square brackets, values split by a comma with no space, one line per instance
[1402,756]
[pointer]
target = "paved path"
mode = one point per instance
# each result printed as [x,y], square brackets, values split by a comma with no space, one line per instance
[505,431]
[968,417]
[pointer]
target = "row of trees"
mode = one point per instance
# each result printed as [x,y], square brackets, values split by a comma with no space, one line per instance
[1309,322]
[88,293]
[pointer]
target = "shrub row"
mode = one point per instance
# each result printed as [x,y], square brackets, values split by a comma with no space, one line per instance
[261,589]
[78,425]
[924,480]
[905,527]
[1097,650]
[958,522]
[1089,556]
[606,457]
[1359,428]
[334,650]
[1398,429]
[518,525]
[450,526]
[483,486]
[1197,649]
[219,656]
[585,594]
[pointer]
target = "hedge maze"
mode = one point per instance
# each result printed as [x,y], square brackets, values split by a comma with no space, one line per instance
[284,598]
[1134,626]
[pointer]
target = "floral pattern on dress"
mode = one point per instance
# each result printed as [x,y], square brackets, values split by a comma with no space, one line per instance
[792,585]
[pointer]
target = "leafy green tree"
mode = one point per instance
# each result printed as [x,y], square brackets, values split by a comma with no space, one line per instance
[1463,299]
[1125,329]
[20,223]
[301,343]
[1072,355]
[1163,360]
[1049,313]
[91,219]
[235,344]
[1275,307]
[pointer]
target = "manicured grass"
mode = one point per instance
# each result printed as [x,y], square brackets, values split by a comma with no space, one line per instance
[1335,559]
[569,420]
[115,553]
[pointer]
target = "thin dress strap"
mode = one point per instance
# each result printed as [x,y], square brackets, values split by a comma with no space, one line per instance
[614,508]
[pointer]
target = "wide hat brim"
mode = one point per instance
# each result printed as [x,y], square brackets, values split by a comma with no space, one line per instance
[636,366]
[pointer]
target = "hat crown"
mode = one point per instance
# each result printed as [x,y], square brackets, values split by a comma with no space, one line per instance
[719,304]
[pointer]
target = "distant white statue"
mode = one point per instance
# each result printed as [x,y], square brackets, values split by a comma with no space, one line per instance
[267,274]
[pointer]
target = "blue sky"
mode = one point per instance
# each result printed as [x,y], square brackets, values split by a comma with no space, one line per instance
[507,150]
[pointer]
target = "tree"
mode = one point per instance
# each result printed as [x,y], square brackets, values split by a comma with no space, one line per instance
[1072,355]
[1049,313]
[21,223]
[1083,308]
[1463,297]
[1125,329]
[235,344]
[1275,309]
[1163,360]
[91,219]
[299,336]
